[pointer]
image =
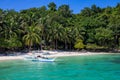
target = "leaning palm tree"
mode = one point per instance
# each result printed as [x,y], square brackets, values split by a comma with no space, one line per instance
[32,36]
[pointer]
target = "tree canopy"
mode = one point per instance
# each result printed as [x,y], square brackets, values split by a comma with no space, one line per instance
[52,27]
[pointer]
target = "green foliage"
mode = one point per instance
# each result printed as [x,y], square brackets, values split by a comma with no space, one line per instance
[52,6]
[93,46]
[32,37]
[79,44]
[10,43]
[104,36]
[65,11]
[59,28]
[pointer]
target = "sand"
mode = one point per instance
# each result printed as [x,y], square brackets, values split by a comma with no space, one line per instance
[62,54]
[52,54]
[2,58]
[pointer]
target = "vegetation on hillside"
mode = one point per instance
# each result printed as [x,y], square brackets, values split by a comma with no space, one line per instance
[56,27]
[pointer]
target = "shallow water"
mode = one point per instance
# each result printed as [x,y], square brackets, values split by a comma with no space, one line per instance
[94,67]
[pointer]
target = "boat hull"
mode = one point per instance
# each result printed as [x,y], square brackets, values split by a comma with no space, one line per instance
[32,58]
[44,60]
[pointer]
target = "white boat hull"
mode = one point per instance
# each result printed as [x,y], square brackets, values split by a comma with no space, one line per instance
[44,60]
[32,58]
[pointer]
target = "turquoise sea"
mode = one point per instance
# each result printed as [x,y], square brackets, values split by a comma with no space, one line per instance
[94,67]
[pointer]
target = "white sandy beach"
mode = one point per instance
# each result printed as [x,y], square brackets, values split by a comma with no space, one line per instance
[52,54]
[2,58]
[62,54]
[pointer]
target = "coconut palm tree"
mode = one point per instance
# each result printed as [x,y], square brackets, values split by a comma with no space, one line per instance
[10,30]
[41,23]
[58,33]
[32,36]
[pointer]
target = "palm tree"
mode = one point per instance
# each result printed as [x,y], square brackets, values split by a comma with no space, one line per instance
[52,6]
[32,36]
[66,36]
[41,23]
[114,25]
[10,31]
[58,33]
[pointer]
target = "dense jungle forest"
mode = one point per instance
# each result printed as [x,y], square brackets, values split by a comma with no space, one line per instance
[55,27]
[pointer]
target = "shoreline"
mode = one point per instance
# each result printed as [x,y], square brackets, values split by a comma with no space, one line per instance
[53,54]
[76,54]
[6,58]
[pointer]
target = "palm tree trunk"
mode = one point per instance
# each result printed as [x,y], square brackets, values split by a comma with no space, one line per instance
[56,44]
[70,45]
[117,41]
[41,46]
[65,45]
[53,45]
[30,48]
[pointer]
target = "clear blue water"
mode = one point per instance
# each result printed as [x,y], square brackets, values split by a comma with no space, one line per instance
[95,67]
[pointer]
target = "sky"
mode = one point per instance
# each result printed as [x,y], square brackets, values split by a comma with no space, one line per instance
[75,5]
